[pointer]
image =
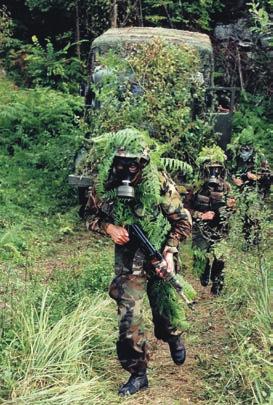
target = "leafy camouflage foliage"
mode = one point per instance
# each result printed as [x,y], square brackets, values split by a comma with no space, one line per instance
[213,154]
[154,88]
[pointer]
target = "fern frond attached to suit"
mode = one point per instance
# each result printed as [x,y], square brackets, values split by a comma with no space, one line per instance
[175,165]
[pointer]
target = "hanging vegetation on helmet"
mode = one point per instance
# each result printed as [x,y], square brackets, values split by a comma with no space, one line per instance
[130,162]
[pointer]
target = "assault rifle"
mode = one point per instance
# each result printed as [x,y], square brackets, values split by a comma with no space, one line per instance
[155,258]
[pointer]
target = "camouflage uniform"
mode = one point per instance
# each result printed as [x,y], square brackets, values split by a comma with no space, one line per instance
[250,188]
[206,234]
[131,281]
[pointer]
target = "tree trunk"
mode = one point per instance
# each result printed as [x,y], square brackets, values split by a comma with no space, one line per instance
[140,14]
[78,35]
[114,14]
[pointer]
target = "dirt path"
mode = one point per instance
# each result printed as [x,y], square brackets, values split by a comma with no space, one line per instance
[173,385]
[205,343]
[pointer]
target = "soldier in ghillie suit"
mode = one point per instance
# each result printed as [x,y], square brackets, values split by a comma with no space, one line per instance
[210,205]
[251,174]
[130,189]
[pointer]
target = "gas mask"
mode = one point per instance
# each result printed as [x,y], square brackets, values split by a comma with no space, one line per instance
[125,175]
[246,152]
[214,174]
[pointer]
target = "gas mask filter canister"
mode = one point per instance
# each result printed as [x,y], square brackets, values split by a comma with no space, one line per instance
[125,190]
[126,173]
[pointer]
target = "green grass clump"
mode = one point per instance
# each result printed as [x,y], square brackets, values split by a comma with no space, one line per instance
[247,371]
[58,362]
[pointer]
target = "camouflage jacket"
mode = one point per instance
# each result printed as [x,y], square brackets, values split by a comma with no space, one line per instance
[98,214]
[253,178]
[204,199]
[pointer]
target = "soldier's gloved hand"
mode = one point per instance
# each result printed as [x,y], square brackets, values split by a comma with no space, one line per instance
[162,269]
[118,234]
[251,176]
[238,182]
[208,216]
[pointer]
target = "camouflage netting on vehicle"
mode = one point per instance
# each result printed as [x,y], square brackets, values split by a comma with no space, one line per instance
[120,38]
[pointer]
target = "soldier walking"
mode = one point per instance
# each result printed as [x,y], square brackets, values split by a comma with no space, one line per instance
[252,176]
[210,204]
[131,191]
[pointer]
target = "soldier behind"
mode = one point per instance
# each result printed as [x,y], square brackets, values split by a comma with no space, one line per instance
[210,206]
[127,180]
[253,178]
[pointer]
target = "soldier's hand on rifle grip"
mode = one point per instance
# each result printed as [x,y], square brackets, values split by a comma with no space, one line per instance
[168,256]
[251,176]
[208,216]
[165,266]
[238,182]
[161,269]
[118,234]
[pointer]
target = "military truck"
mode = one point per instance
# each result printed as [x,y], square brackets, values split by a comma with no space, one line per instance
[121,39]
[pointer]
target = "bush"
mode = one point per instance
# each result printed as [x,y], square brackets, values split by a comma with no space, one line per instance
[36,65]
[40,131]
[255,116]
[246,375]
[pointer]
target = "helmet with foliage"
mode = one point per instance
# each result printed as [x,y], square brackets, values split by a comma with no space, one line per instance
[242,145]
[246,150]
[211,161]
[212,155]
[142,156]
[128,143]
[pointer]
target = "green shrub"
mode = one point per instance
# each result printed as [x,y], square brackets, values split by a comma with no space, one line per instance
[247,373]
[41,130]
[255,116]
[34,65]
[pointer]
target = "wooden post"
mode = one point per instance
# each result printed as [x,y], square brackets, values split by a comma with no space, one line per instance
[240,68]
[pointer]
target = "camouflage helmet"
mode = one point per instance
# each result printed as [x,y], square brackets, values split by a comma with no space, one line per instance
[213,155]
[131,143]
[245,138]
[141,156]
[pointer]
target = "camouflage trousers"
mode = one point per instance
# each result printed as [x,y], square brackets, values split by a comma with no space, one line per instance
[207,265]
[128,289]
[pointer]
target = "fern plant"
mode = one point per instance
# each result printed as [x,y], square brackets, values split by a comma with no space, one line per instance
[98,164]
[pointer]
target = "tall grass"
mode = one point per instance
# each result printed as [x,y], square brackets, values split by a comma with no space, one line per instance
[248,307]
[58,363]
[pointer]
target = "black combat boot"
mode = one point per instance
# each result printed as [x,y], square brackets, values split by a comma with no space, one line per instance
[217,277]
[217,287]
[205,276]
[177,349]
[137,382]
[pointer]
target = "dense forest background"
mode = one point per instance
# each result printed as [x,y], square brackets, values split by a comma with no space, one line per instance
[57,326]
